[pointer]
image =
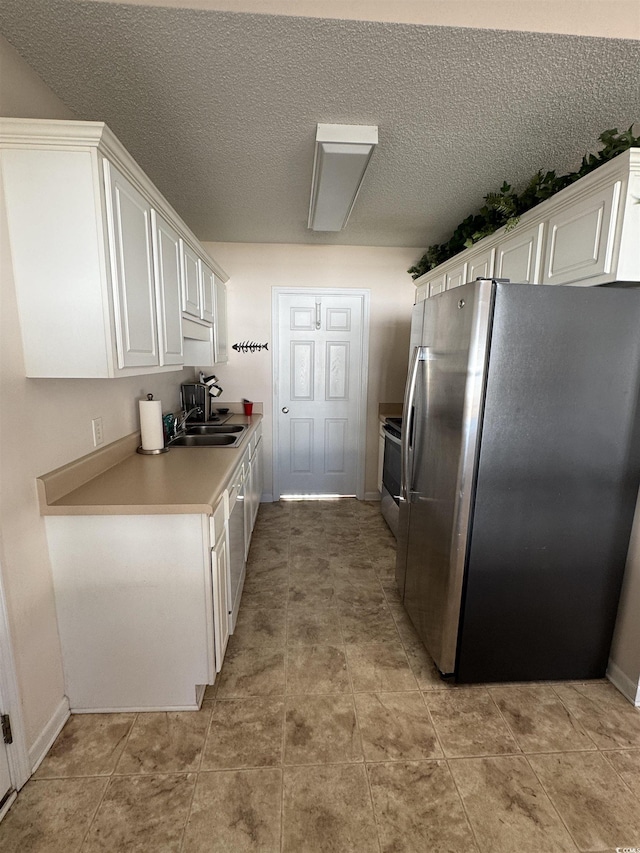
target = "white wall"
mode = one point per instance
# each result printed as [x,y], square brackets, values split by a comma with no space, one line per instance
[256,268]
[44,424]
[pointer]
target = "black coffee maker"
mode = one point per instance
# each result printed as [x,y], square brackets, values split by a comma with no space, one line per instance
[195,395]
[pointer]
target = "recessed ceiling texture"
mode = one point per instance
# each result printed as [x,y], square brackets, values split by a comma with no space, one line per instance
[220,109]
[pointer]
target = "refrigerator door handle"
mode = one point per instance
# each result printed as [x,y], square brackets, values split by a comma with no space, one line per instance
[406,471]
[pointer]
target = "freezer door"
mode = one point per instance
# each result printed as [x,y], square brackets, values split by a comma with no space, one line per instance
[444,422]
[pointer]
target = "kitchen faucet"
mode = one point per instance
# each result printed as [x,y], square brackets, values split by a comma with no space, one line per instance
[180,422]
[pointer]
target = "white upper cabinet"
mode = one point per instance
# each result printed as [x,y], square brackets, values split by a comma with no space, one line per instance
[98,255]
[191,292]
[220,341]
[518,255]
[480,264]
[167,256]
[437,285]
[455,276]
[580,237]
[130,242]
[207,288]
[585,235]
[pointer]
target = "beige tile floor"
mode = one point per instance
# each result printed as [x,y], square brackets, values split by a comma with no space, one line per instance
[329,730]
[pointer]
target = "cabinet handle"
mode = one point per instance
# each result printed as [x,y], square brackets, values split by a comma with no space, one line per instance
[285,411]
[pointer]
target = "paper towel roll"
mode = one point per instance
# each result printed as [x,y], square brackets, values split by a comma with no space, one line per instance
[151,424]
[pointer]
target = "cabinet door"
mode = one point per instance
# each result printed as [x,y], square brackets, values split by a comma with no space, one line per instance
[166,247]
[220,584]
[248,507]
[456,276]
[581,237]
[191,294]
[437,285]
[422,292]
[480,265]
[518,256]
[220,332]
[257,480]
[207,288]
[129,226]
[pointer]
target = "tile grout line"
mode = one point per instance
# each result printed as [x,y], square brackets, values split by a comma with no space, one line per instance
[108,777]
[280,766]
[603,752]
[572,716]
[551,803]
[453,778]
[284,698]
[197,775]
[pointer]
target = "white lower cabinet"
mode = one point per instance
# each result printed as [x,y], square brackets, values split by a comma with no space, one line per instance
[237,542]
[135,605]
[254,483]
[146,603]
[220,580]
[257,479]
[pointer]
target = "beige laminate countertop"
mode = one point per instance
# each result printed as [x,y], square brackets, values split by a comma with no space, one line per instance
[388,410]
[184,480]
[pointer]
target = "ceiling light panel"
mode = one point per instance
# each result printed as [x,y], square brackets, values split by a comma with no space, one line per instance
[342,154]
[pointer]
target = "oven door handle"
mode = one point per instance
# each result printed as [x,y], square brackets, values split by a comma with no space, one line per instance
[406,470]
[389,435]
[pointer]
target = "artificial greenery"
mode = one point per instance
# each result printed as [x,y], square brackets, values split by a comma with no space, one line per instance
[506,206]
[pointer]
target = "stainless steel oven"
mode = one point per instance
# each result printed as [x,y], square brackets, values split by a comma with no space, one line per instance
[390,498]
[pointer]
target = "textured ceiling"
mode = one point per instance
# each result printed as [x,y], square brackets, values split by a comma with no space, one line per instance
[220,109]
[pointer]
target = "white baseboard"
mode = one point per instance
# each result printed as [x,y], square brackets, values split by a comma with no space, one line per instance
[627,686]
[372,496]
[7,805]
[45,739]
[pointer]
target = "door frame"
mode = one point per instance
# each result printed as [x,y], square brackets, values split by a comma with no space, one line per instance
[19,765]
[364,295]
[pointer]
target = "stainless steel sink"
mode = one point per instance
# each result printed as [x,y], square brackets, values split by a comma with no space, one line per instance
[213,429]
[206,441]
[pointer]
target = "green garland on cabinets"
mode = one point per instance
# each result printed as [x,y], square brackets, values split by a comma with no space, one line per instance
[506,206]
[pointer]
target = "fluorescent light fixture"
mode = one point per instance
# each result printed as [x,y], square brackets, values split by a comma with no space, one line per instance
[342,155]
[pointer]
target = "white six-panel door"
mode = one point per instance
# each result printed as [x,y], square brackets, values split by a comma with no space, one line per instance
[320,392]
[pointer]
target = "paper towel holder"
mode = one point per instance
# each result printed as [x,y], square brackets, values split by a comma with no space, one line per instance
[151,452]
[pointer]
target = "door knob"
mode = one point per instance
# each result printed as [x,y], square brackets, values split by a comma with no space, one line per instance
[285,411]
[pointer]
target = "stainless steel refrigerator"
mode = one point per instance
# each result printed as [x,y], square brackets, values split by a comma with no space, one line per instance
[521,469]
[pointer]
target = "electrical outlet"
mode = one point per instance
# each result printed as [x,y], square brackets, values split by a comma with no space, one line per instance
[98,434]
